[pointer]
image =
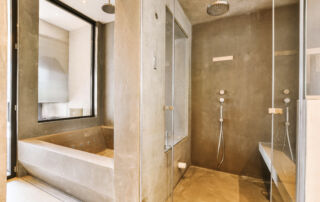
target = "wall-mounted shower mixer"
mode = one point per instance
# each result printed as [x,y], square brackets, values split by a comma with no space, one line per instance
[221,137]
[286,91]
[287,124]
[221,92]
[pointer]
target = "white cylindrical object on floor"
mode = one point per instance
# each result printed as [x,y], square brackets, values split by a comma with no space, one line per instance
[182,165]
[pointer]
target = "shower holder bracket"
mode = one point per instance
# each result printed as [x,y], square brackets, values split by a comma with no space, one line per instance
[168,108]
[275,111]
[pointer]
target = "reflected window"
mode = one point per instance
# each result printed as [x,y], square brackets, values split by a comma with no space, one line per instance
[66,63]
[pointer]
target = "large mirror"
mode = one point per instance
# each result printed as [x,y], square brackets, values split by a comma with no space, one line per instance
[66,62]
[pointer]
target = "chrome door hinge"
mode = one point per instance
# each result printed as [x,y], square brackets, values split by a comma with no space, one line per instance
[275,111]
[16,46]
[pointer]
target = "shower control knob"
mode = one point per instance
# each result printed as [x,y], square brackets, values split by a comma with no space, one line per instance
[286,100]
[286,91]
[221,92]
[221,100]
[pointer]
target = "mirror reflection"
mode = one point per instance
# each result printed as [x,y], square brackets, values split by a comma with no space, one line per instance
[65,64]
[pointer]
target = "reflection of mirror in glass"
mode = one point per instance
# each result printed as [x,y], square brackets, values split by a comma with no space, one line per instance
[181,72]
[176,82]
[65,64]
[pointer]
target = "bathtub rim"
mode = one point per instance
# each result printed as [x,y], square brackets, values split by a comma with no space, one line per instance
[70,152]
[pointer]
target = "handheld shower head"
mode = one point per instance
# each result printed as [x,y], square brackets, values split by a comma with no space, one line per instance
[218,7]
[108,8]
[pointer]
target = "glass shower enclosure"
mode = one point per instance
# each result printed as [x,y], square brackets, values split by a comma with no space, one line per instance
[253,62]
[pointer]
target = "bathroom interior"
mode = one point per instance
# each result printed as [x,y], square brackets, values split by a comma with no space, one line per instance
[145,100]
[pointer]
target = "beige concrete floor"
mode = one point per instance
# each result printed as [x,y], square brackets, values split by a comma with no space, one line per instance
[205,185]
[19,190]
[30,189]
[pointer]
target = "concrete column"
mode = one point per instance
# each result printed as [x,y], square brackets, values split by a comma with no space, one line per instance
[3,98]
[127,100]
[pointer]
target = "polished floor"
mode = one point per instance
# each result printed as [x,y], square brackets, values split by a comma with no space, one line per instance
[205,185]
[20,190]
[29,189]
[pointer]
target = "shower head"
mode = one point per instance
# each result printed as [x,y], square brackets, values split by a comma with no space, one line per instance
[108,8]
[218,7]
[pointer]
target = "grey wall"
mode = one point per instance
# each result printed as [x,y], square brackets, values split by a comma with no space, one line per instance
[108,95]
[28,125]
[247,81]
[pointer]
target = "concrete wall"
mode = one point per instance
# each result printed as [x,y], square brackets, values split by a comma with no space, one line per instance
[127,100]
[247,81]
[28,125]
[3,98]
[156,165]
[108,95]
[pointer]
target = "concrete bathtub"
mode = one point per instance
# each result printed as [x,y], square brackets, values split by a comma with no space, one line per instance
[79,163]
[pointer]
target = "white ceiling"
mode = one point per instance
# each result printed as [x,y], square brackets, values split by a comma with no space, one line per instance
[67,21]
[196,10]
[92,9]
[59,17]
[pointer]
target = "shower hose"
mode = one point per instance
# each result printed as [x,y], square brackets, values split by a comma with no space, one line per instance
[221,139]
[287,124]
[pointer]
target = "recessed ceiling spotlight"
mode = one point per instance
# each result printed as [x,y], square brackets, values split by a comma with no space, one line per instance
[84,1]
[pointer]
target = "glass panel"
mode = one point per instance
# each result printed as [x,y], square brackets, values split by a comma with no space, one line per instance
[181,71]
[313,49]
[286,96]
[169,81]
[231,92]
[169,100]
[65,64]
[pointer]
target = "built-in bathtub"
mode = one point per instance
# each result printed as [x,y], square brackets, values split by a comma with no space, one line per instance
[79,162]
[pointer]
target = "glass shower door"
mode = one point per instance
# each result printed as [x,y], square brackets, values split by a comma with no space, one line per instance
[169,101]
[285,95]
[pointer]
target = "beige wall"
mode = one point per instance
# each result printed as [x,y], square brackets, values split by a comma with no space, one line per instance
[53,43]
[313,106]
[313,150]
[156,163]
[109,74]
[79,79]
[127,100]
[3,98]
